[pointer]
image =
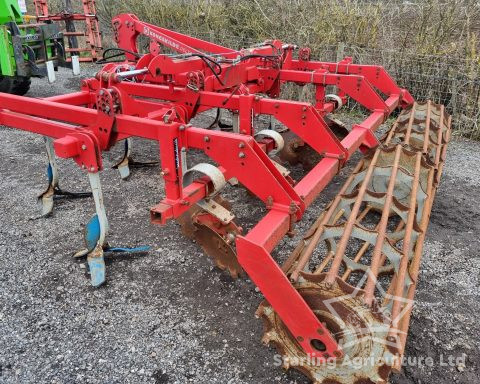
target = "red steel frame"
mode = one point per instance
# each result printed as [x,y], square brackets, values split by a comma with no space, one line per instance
[92,30]
[161,101]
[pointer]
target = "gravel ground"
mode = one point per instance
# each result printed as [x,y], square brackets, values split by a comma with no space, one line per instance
[169,316]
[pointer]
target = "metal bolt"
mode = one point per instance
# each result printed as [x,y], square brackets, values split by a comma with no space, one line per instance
[206,139]
[84,147]
[304,109]
[241,145]
[181,128]
[92,169]
[293,207]
[241,155]
[269,201]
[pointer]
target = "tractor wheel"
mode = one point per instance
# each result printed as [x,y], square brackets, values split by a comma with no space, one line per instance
[6,83]
[21,85]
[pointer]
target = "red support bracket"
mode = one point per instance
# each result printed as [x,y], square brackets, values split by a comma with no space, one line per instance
[83,147]
[290,306]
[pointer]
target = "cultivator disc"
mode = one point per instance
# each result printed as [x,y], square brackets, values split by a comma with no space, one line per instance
[358,264]
[296,151]
[215,237]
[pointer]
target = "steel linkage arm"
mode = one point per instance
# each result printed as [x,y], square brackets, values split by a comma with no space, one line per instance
[72,137]
[375,74]
[127,28]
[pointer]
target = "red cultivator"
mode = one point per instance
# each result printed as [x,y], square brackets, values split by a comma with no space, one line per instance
[345,291]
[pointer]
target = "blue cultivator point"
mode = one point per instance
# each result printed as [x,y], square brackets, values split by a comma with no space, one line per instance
[95,251]
[96,265]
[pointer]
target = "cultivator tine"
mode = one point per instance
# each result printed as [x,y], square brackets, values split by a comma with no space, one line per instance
[95,237]
[53,191]
[370,239]
[127,162]
[46,198]
[218,123]
[123,164]
[95,234]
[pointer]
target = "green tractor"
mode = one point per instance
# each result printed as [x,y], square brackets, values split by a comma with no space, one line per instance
[27,50]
